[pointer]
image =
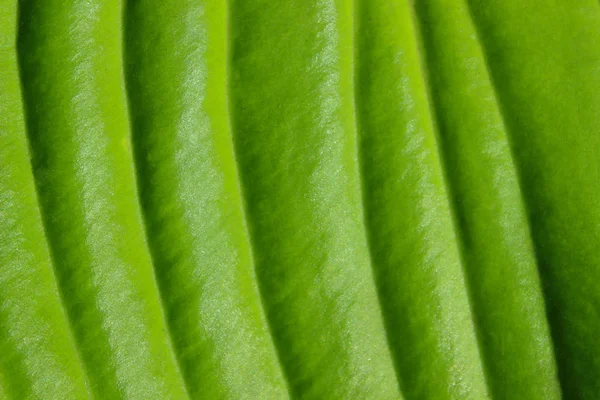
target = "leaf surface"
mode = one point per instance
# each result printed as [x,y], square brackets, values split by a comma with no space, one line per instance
[317,199]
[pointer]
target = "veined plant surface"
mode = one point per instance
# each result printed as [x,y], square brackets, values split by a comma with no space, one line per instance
[318,199]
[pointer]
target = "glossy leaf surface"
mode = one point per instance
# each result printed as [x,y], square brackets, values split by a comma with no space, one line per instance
[318,199]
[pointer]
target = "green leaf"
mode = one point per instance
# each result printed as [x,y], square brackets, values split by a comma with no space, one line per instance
[318,199]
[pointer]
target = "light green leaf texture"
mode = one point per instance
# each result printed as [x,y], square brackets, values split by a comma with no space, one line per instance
[300,199]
